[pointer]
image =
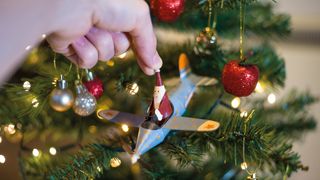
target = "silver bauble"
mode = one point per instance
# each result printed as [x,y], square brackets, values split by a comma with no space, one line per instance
[85,103]
[61,98]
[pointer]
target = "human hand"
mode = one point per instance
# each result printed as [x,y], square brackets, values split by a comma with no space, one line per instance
[91,30]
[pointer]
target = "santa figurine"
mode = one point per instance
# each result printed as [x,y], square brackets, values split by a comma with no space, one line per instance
[160,108]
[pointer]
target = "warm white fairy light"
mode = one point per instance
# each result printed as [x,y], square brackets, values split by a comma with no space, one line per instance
[259,88]
[125,128]
[53,151]
[272,98]
[26,85]
[35,152]
[115,162]
[2,159]
[28,47]
[0,139]
[35,102]
[43,36]
[99,169]
[10,128]
[244,114]
[123,55]
[235,103]
[244,166]
[133,88]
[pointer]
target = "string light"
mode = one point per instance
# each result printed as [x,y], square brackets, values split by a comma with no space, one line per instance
[235,103]
[244,114]
[115,162]
[0,139]
[10,128]
[35,102]
[123,55]
[92,129]
[43,36]
[132,88]
[244,166]
[35,152]
[2,159]
[110,63]
[26,85]
[125,128]
[28,47]
[99,169]
[259,88]
[272,98]
[52,151]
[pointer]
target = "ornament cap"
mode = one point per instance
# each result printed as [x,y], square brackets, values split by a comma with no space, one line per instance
[62,83]
[80,87]
[90,75]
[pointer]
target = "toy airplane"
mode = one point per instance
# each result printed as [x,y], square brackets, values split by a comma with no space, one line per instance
[151,133]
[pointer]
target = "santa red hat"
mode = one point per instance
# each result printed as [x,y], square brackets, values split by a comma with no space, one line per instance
[158,78]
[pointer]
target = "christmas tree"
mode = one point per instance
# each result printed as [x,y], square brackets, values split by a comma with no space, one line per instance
[256,130]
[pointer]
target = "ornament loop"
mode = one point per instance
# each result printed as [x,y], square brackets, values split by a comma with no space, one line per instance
[55,65]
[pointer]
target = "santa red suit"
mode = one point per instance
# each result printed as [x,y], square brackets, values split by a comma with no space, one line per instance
[160,108]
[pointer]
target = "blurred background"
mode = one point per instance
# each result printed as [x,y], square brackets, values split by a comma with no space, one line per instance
[301,52]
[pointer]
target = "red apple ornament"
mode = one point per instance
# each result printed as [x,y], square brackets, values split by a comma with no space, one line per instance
[94,85]
[239,79]
[167,10]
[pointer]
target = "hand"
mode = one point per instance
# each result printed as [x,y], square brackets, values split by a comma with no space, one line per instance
[100,29]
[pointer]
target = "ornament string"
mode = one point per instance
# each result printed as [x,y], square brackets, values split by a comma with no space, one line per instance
[214,21]
[55,66]
[242,19]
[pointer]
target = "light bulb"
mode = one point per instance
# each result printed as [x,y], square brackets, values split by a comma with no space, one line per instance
[235,103]
[53,151]
[35,152]
[125,128]
[35,102]
[115,162]
[2,159]
[244,114]
[26,85]
[244,166]
[272,98]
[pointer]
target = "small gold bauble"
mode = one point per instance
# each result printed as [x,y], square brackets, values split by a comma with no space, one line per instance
[61,99]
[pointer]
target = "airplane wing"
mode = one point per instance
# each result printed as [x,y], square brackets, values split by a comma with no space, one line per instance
[191,124]
[129,119]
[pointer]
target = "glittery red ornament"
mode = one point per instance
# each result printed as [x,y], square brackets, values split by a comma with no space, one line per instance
[239,80]
[167,10]
[94,85]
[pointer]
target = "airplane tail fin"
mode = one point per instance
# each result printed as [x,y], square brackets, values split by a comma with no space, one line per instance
[186,73]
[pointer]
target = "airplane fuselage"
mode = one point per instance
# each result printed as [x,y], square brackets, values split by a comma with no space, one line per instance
[179,97]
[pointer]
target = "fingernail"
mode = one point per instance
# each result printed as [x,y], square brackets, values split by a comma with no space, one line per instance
[157,61]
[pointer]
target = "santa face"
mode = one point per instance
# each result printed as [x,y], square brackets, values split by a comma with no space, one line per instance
[158,94]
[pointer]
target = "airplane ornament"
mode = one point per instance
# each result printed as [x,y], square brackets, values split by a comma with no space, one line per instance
[164,113]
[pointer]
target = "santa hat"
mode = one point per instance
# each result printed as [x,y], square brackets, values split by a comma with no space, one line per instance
[158,78]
